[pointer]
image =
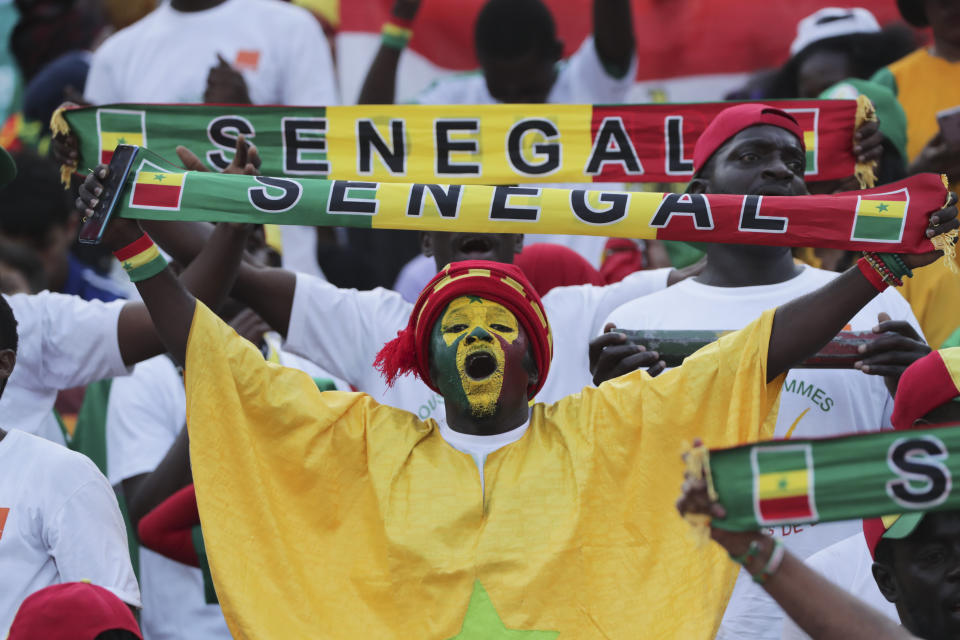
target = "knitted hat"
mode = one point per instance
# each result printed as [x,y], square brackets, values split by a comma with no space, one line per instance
[929,382]
[893,119]
[502,283]
[71,611]
[732,121]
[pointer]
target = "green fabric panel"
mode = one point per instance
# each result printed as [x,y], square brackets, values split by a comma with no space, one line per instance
[885,77]
[90,435]
[209,590]
[683,254]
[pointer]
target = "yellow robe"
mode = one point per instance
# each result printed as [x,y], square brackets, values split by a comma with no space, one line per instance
[327,515]
[926,84]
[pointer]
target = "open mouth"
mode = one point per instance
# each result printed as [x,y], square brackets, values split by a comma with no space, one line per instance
[475,244]
[480,366]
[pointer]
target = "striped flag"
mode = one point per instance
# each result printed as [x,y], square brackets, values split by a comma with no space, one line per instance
[808,120]
[120,126]
[157,189]
[783,484]
[881,216]
[4,511]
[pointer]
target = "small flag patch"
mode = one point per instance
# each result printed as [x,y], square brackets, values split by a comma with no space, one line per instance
[808,119]
[783,484]
[881,216]
[118,126]
[247,60]
[4,511]
[157,190]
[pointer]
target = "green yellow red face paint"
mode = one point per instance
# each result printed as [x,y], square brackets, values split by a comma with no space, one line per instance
[474,345]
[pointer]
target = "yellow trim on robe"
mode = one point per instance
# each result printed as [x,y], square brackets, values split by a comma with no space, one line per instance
[327,515]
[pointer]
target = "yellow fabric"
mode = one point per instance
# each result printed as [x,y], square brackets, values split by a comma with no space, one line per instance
[927,84]
[326,515]
[783,484]
[951,358]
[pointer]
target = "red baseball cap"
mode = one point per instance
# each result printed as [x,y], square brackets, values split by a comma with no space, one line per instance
[926,384]
[735,119]
[894,527]
[71,611]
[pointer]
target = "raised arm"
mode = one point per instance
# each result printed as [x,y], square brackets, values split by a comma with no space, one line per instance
[613,34]
[803,326]
[820,608]
[379,87]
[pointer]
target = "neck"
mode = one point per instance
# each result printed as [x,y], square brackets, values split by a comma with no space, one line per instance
[949,51]
[190,6]
[503,420]
[736,266]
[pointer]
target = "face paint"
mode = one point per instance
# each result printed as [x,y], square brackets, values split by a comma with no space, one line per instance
[470,347]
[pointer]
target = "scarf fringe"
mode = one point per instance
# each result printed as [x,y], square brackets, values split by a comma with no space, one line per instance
[865,172]
[60,127]
[398,357]
[697,461]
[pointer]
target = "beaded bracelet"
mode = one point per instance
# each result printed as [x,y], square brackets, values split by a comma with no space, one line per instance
[396,33]
[773,563]
[141,259]
[752,552]
[886,274]
[896,264]
[872,276]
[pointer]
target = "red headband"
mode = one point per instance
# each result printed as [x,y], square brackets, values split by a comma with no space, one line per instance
[929,382]
[505,284]
[732,121]
[71,611]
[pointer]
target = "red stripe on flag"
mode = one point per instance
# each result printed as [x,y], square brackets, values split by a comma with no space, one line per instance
[156,195]
[793,507]
[3,518]
[105,156]
[137,246]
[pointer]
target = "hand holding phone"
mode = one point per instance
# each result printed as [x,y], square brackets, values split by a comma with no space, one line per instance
[120,163]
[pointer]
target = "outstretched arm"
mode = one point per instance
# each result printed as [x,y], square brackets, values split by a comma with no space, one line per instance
[613,33]
[820,608]
[803,326]
[170,305]
[379,87]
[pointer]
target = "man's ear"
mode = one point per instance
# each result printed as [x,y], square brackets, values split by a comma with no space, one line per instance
[517,242]
[886,582]
[426,244]
[697,185]
[8,358]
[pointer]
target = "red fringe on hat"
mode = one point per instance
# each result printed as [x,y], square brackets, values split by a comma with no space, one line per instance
[398,357]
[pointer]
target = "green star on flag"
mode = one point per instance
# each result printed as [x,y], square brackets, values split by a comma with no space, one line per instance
[482,622]
[882,206]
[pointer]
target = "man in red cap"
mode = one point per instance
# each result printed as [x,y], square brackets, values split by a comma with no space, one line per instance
[557,516]
[758,149]
[74,611]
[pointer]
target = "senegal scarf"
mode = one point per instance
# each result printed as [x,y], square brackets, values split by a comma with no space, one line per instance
[890,218]
[851,477]
[467,144]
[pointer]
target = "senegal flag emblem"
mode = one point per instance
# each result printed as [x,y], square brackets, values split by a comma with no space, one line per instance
[154,189]
[120,126]
[881,216]
[783,484]
[808,119]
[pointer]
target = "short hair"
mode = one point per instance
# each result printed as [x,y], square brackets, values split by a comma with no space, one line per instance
[8,326]
[26,261]
[512,28]
[35,200]
[116,634]
[883,552]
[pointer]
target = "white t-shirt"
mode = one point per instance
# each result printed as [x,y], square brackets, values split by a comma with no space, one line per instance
[64,342]
[165,57]
[814,403]
[59,522]
[846,564]
[581,79]
[145,413]
[479,447]
[343,329]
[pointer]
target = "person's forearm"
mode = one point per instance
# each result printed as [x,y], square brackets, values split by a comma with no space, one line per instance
[211,275]
[613,33]
[171,475]
[379,87]
[804,325]
[823,610]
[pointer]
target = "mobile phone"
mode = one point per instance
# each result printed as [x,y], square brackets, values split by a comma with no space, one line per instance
[949,121]
[120,163]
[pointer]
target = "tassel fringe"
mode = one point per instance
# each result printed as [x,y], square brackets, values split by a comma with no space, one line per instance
[60,127]
[865,172]
[697,460]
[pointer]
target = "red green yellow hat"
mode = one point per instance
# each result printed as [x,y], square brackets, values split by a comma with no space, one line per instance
[929,382]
